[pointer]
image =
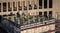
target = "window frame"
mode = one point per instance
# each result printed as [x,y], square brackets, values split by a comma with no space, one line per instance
[50,3]
[4,7]
[40,4]
[9,8]
[45,3]
[0,7]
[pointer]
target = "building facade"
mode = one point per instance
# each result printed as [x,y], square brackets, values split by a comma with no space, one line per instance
[27,6]
[32,7]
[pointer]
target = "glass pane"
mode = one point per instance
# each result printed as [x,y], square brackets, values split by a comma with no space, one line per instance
[4,7]
[40,4]
[45,3]
[18,3]
[9,8]
[14,7]
[40,14]
[30,7]
[50,3]
[19,7]
[25,7]
[35,6]
[45,13]
[0,7]
[50,13]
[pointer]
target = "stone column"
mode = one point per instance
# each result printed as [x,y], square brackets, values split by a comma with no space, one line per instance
[48,4]
[27,5]
[42,7]
[32,4]
[2,8]
[7,6]
[17,6]
[37,7]
[47,7]
[22,6]
[42,4]
[12,6]
[37,4]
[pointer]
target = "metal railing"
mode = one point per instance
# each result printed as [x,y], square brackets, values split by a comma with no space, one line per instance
[27,22]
